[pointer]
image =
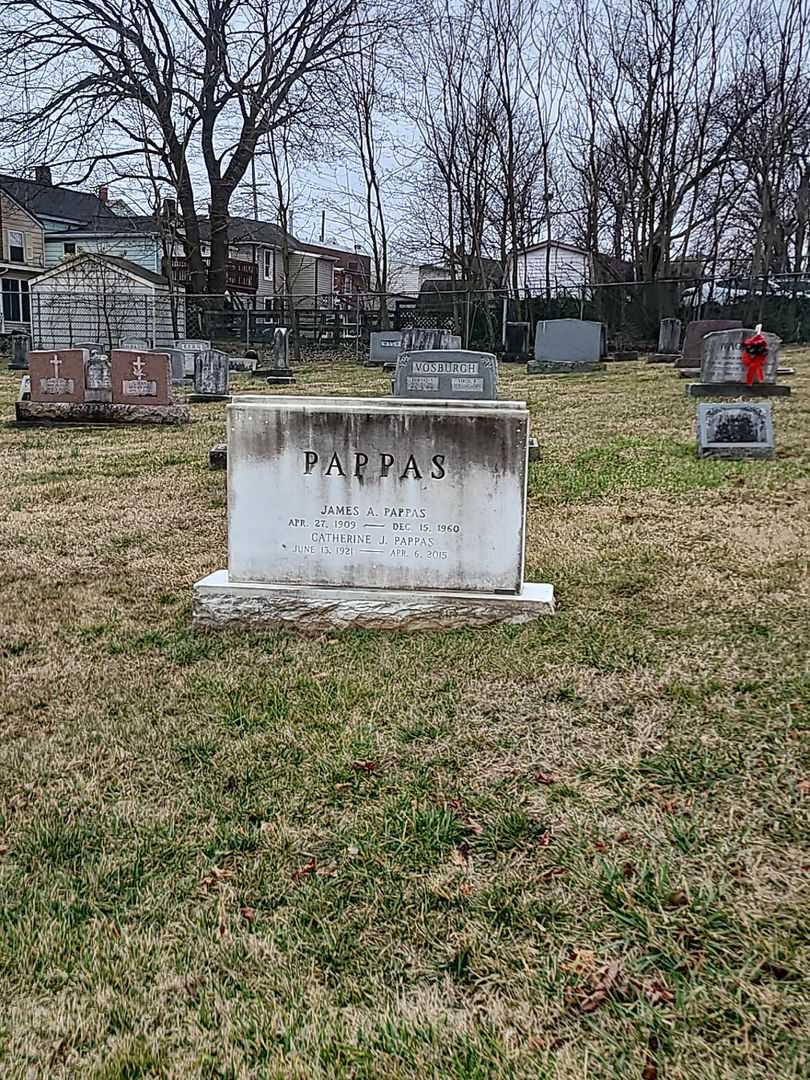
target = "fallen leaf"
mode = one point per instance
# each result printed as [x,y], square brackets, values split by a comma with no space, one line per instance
[623,837]
[3,849]
[677,899]
[248,914]
[466,889]
[544,778]
[553,872]
[342,787]
[600,845]
[628,871]
[650,1071]
[326,871]
[214,877]
[804,787]
[544,839]
[304,871]
[473,826]
[607,982]
[366,766]
[658,993]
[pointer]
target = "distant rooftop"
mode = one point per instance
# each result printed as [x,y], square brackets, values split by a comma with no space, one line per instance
[54,201]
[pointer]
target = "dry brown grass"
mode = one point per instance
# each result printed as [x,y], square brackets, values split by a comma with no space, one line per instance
[163,794]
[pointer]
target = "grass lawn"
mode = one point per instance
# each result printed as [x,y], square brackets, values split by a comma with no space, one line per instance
[574,849]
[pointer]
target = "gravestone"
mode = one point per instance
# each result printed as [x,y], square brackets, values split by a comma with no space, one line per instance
[177,359]
[280,372]
[191,347]
[92,347]
[140,378]
[242,363]
[446,374]
[723,371]
[383,346]
[567,347]
[516,345]
[693,339]
[57,375]
[98,377]
[737,431]
[377,513]
[135,344]
[421,339]
[211,370]
[669,337]
[20,346]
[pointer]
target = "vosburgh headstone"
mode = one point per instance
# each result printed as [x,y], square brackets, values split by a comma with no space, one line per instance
[446,374]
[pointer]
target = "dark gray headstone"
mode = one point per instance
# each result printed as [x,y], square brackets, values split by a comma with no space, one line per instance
[384,346]
[20,347]
[738,430]
[211,373]
[722,357]
[422,339]
[178,361]
[669,336]
[516,346]
[569,340]
[98,377]
[446,374]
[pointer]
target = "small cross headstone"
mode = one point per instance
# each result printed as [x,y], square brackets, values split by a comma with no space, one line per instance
[57,375]
[211,371]
[280,371]
[140,378]
[737,431]
[446,374]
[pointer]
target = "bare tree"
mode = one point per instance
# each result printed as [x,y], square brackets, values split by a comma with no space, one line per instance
[212,81]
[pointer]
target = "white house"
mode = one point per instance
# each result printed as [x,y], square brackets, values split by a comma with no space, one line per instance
[103,298]
[558,267]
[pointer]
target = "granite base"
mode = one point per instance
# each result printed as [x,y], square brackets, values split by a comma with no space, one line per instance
[738,453]
[563,367]
[736,389]
[622,356]
[201,399]
[663,358]
[218,603]
[279,379]
[98,412]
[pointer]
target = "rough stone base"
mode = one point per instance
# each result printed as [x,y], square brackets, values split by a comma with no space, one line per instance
[737,453]
[280,379]
[663,358]
[563,367]
[98,412]
[201,399]
[218,456]
[373,363]
[218,603]
[737,389]
[622,355]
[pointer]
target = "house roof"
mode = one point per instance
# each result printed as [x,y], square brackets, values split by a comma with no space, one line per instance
[55,201]
[126,265]
[243,230]
[340,255]
[115,225]
[554,243]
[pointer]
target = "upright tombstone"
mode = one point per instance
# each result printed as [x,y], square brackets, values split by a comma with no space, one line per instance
[92,347]
[57,375]
[693,340]
[422,339]
[191,347]
[567,347]
[280,371]
[378,513]
[211,373]
[98,377]
[20,347]
[137,344]
[516,344]
[728,369]
[383,346]
[140,378]
[446,374]
[737,431]
[177,359]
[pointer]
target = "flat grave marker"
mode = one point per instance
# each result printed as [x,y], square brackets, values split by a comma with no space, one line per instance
[735,431]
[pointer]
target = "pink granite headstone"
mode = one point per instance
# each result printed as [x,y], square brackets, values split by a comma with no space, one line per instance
[140,378]
[57,374]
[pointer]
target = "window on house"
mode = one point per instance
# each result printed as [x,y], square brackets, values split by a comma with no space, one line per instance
[268,265]
[16,301]
[70,247]
[16,246]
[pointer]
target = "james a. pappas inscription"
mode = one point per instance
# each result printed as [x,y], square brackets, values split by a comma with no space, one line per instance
[377,494]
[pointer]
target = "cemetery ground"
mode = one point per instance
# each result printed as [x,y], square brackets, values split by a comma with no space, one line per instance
[576,848]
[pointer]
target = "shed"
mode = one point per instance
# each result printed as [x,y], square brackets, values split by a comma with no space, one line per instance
[104,298]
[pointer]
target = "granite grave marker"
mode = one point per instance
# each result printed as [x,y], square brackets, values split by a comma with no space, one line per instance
[140,378]
[737,431]
[57,375]
[567,346]
[211,372]
[383,346]
[446,374]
